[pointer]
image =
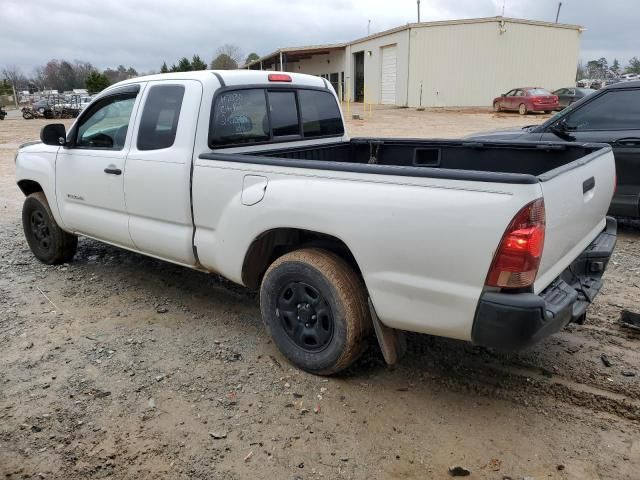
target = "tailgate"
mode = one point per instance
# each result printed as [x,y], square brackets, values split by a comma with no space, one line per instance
[576,198]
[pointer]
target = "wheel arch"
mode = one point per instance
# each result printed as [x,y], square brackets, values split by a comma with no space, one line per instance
[29,186]
[272,244]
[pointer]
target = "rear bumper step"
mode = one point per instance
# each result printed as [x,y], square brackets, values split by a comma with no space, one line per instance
[512,321]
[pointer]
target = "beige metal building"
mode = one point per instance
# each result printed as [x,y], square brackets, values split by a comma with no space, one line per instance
[456,63]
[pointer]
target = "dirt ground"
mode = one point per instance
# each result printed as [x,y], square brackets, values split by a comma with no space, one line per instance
[95,382]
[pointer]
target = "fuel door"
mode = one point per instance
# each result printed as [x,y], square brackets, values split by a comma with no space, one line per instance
[253,189]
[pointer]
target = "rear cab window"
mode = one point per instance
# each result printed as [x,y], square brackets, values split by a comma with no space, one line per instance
[271,115]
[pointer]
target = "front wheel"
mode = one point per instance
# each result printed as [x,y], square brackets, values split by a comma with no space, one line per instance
[315,308]
[522,109]
[48,242]
[496,107]
[27,115]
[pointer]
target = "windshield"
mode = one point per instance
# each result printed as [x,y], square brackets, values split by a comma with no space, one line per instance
[585,91]
[538,91]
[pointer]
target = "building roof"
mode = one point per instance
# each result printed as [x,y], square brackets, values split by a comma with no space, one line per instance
[298,52]
[319,49]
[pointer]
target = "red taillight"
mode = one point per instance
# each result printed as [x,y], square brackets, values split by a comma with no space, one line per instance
[279,77]
[516,262]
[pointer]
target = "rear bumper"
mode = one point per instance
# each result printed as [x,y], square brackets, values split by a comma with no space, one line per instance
[538,107]
[512,321]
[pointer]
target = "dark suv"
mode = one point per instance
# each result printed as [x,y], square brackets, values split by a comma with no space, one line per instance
[610,115]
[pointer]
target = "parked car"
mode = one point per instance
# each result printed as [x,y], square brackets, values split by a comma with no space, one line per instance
[597,84]
[610,115]
[525,100]
[251,175]
[567,96]
[3,112]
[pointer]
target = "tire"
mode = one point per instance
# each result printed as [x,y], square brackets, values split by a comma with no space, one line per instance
[48,242]
[522,109]
[27,115]
[548,112]
[315,308]
[496,107]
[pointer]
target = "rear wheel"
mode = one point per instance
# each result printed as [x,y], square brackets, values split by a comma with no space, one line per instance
[315,308]
[522,109]
[48,242]
[496,106]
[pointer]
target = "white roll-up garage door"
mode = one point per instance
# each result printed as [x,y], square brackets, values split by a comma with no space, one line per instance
[389,62]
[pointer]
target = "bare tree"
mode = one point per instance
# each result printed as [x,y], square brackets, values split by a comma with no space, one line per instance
[16,78]
[226,52]
[39,78]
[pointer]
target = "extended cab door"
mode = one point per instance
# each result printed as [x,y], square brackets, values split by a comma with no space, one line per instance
[89,171]
[612,117]
[157,181]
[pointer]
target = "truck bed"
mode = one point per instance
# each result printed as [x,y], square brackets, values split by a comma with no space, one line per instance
[495,157]
[455,186]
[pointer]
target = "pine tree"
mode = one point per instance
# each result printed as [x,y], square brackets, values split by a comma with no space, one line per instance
[184,65]
[197,63]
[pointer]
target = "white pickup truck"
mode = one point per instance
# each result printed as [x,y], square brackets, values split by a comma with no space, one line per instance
[251,175]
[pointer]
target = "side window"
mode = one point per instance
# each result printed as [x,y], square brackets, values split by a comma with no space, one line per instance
[106,125]
[159,121]
[240,117]
[614,110]
[519,93]
[562,91]
[284,113]
[320,114]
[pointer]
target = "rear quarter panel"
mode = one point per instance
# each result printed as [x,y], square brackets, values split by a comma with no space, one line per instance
[424,245]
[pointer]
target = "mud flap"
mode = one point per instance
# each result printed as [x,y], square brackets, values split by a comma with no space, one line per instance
[393,343]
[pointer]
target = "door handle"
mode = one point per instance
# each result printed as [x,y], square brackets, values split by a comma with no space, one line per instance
[588,184]
[113,171]
[628,142]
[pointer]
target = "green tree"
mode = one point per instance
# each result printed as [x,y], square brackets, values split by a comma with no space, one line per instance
[5,87]
[173,68]
[634,65]
[184,65]
[251,57]
[615,67]
[96,82]
[597,69]
[224,62]
[197,63]
[164,68]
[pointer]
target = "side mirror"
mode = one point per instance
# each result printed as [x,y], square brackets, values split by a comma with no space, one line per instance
[503,95]
[53,134]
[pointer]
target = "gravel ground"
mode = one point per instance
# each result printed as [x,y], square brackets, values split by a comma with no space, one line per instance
[96,382]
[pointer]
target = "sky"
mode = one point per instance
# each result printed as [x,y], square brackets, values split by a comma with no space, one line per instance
[144,33]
